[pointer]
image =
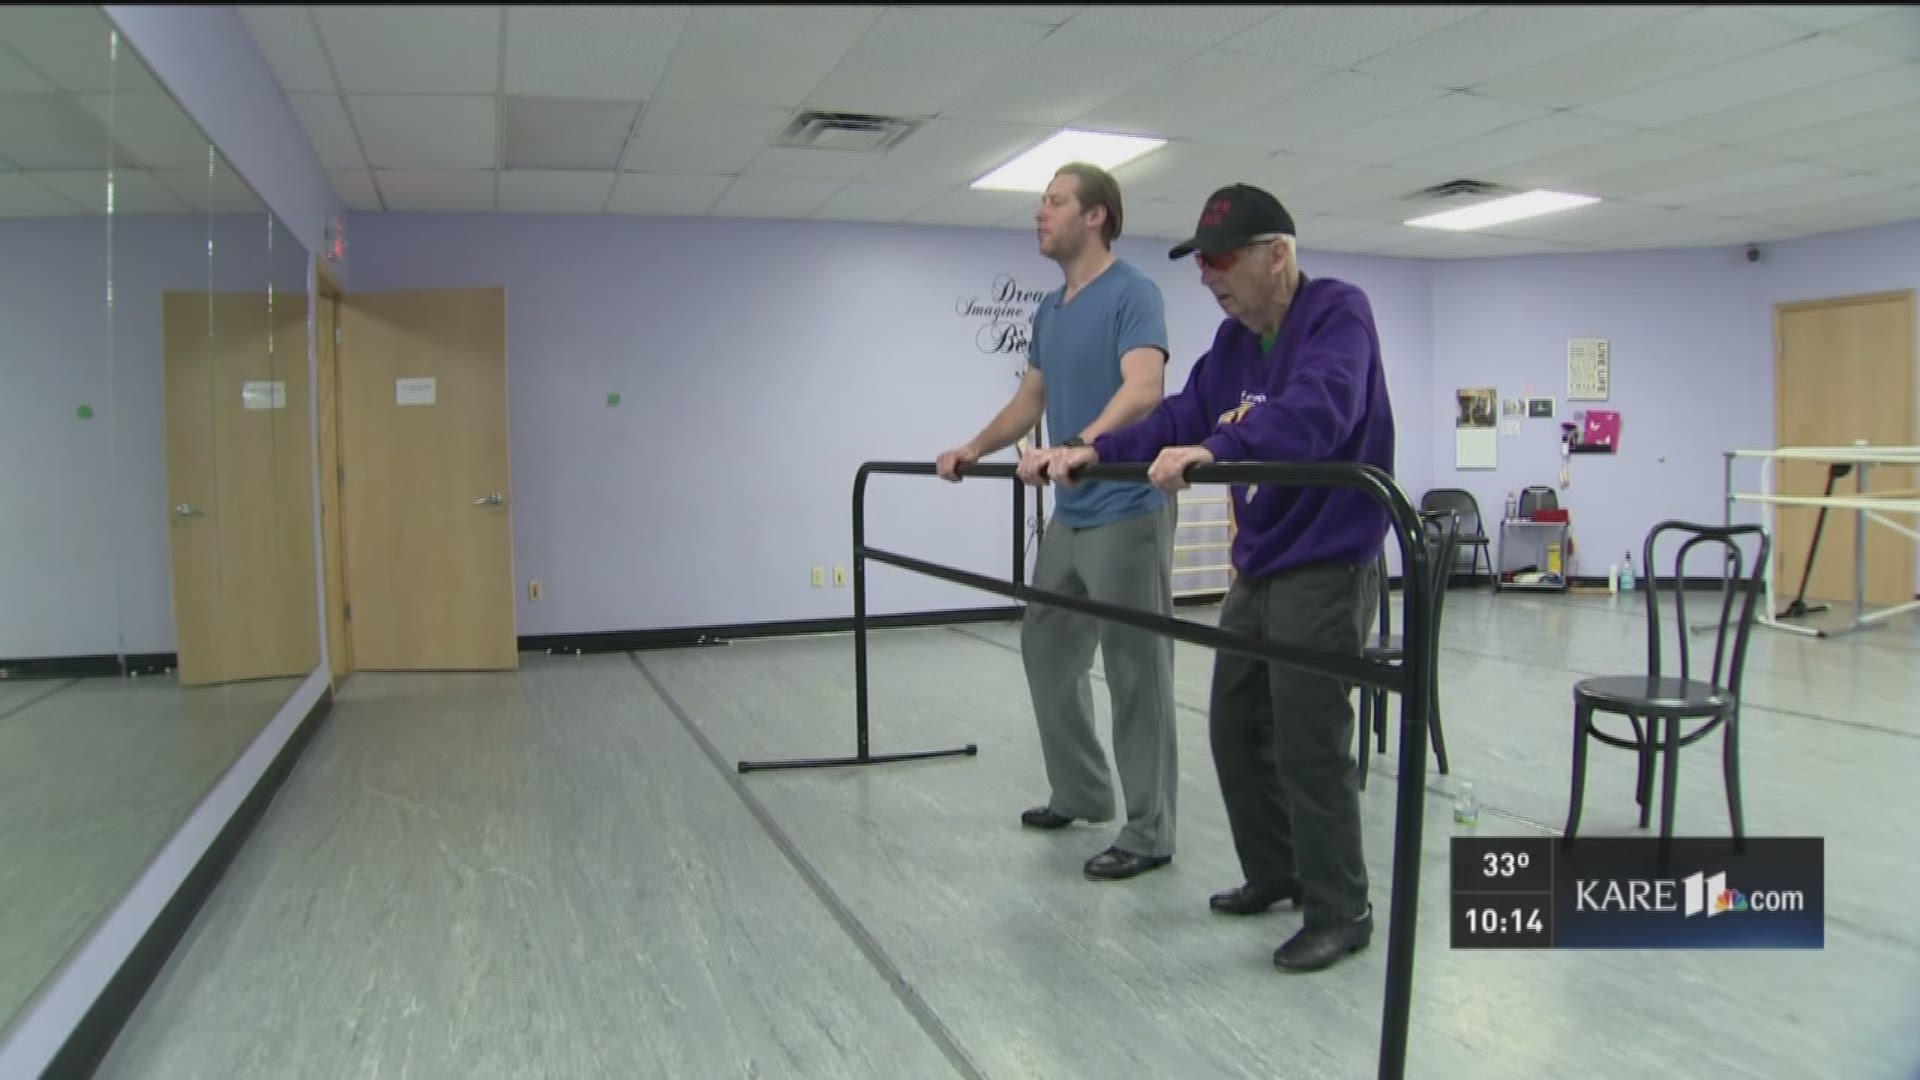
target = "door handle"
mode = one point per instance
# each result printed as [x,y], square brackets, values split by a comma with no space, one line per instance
[492,498]
[188,510]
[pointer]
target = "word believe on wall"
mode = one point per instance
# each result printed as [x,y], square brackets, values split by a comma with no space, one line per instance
[1005,314]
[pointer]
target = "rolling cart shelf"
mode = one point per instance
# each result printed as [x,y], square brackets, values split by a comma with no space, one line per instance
[1539,534]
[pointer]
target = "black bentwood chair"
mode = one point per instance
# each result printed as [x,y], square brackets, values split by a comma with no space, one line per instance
[1667,700]
[1440,533]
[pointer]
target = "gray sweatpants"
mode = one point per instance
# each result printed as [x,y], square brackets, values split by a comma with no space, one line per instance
[1127,563]
[1283,738]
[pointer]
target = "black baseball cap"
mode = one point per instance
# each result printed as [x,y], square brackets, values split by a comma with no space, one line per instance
[1232,217]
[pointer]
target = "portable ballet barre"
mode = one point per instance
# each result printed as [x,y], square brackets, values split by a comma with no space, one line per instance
[1412,678]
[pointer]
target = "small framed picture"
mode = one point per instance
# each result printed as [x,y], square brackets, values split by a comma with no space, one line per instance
[1540,408]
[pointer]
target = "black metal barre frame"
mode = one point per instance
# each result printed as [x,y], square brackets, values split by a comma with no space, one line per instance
[1412,678]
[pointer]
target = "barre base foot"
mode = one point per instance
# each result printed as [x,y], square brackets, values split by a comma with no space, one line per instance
[969,750]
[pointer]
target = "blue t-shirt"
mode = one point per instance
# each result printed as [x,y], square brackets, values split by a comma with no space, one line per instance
[1077,345]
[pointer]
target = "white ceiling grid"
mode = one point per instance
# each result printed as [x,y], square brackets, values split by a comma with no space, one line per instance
[1701,125]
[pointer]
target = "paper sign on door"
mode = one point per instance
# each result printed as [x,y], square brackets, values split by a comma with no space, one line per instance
[257,395]
[413,391]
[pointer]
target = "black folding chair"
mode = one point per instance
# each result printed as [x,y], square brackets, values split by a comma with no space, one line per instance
[1668,701]
[1441,534]
[1473,532]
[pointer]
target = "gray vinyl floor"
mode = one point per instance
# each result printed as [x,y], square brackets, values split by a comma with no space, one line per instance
[95,775]
[558,873]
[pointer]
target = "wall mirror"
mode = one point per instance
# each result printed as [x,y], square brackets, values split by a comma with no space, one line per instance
[157,585]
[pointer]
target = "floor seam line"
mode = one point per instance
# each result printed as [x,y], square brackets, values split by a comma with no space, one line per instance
[930,1023]
[25,705]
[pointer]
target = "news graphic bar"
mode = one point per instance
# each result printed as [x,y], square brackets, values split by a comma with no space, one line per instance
[1611,893]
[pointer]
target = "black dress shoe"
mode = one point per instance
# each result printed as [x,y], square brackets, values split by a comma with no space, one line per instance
[1113,864]
[1251,899]
[1043,817]
[1317,948]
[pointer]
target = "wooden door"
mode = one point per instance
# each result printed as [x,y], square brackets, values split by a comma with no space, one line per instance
[1844,371]
[425,491]
[240,487]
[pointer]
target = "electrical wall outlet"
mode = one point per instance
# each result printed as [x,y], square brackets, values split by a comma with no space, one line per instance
[533,590]
[819,576]
[839,577]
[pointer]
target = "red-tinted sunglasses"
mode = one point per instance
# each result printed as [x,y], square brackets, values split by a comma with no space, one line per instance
[1224,260]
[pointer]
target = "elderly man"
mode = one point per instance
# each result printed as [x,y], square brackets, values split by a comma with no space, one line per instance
[1097,362]
[1294,375]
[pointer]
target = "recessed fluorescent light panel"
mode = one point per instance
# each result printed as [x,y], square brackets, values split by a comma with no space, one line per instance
[1500,211]
[1033,170]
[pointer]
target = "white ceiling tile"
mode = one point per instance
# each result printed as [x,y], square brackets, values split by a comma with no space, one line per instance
[356,190]
[286,38]
[954,151]
[550,133]
[1183,102]
[1442,120]
[1366,241]
[1900,204]
[865,200]
[1156,217]
[1803,64]
[69,44]
[1763,203]
[1706,194]
[1633,181]
[1897,32]
[1318,110]
[135,191]
[1340,35]
[666,193]
[807,161]
[918,63]
[537,191]
[401,131]
[1702,233]
[1508,38]
[1598,223]
[1818,142]
[1664,50]
[1823,104]
[774,196]
[1878,157]
[1534,138]
[1373,184]
[450,49]
[324,117]
[615,53]
[150,129]
[1186,24]
[20,197]
[1283,175]
[17,77]
[1067,75]
[683,138]
[1179,166]
[1432,244]
[760,55]
[1039,14]
[1827,16]
[1316,228]
[969,207]
[52,131]
[437,190]
[1572,168]
[217,190]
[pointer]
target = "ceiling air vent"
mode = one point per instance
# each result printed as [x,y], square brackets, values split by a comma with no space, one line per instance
[845,131]
[1454,189]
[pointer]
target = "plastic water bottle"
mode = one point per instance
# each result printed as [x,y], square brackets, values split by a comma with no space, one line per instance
[1626,574]
[1513,506]
[1466,810]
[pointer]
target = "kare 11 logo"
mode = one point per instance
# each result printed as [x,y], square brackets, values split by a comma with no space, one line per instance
[1769,903]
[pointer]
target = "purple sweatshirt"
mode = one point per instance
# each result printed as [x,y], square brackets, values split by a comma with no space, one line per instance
[1320,395]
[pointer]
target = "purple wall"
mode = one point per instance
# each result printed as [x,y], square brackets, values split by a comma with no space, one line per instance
[84,559]
[759,363]
[1691,343]
[204,55]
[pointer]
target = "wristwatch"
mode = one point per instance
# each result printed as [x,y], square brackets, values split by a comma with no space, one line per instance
[1075,441]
